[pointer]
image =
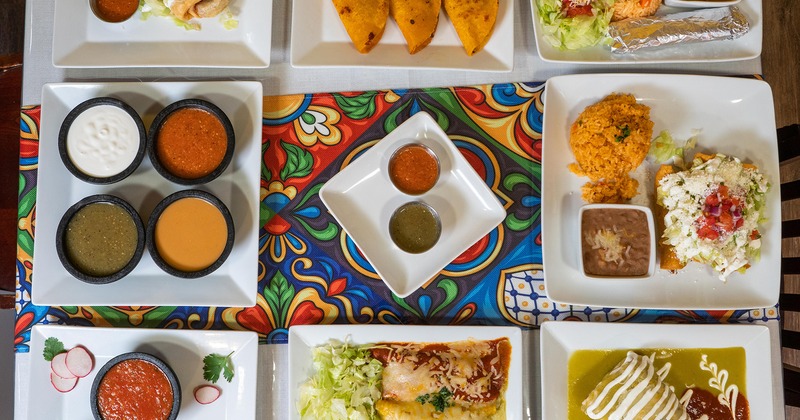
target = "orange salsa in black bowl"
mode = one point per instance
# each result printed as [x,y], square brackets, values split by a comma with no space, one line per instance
[135,385]
[191,142]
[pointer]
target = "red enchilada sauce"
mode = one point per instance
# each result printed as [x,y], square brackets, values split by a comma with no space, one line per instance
[191,143]
[414,169]
[703,403]
[455,366]
[134,390]
[115,10]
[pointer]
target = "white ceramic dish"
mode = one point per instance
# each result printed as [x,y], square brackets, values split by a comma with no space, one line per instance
[728,111]
[182,350]
[325,43]
[699,4]
[744,48]
[304,338]
[560,339]
[232,284]
[362,198]
[651,229]
[80,39]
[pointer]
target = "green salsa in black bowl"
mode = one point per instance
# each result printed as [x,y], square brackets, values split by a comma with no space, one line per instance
[100,239]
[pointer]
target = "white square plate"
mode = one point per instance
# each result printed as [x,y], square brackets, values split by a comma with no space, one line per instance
[304,338]
[182,350]
[319,40]
[736,117]
[744,48]
[82,40]
[560,339]
[232,284]
[362,198]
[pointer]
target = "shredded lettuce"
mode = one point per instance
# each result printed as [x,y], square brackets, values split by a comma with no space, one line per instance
[664,147]
[575,32]
[346,384]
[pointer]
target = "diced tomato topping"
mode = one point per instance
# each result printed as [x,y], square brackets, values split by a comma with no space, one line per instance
[722,191]
[572,10]
[739,223]
[707,232]
[754,235]
[712,200]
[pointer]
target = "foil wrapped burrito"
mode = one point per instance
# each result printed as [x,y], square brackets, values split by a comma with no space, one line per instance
[696,26]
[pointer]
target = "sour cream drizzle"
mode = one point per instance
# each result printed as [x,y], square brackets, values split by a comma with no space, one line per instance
[637,383]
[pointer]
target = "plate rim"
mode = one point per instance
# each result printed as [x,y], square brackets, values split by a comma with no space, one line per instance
[242,297]
[556,294]
[506,62]
[553,333]
[298,334]
[262,58]
[539,41]
[442,138]
[248,339]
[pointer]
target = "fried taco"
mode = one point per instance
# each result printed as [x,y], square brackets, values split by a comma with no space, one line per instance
[473,20]
[417,20]
[364,21]
[188,9]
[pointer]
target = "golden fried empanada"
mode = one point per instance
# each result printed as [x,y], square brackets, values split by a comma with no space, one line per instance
[473,20]
[364,21]
[417,20]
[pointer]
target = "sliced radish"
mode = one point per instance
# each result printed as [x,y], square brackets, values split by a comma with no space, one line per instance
[59,366]
[62,384]
[79,361]
[206,394]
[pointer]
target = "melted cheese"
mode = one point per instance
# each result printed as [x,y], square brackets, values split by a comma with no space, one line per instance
[474,371]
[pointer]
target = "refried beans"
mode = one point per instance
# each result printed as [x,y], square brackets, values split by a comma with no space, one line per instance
[615,242]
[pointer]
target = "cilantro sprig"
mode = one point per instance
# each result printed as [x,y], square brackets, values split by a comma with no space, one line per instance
[439,400]
[215,365]
[52,347]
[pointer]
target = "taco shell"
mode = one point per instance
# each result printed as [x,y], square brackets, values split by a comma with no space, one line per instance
[364,21]
[473,20]
[417,20]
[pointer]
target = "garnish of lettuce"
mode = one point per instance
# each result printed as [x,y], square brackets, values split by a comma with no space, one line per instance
[52,347]
[346,383]
[664,148]
[575,32]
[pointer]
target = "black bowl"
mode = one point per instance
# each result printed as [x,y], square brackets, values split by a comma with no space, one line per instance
[158,122]
[170,374]
[151,228]
[64,131]
[140,241]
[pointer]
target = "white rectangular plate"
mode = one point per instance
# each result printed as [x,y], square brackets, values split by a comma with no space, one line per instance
[82,40]
[362,198]
[232,284]
[304,338]
[560,339]
[182,350]
[319,40]
[744,48]
[736,117]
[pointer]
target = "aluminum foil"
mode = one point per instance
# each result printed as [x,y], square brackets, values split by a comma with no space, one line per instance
[696,26]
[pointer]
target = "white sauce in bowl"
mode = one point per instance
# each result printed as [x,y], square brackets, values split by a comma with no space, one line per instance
[103,141]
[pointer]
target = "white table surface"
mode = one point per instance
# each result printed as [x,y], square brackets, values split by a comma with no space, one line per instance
[280,78]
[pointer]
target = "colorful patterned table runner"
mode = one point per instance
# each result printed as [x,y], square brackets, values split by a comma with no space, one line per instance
[310,272]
